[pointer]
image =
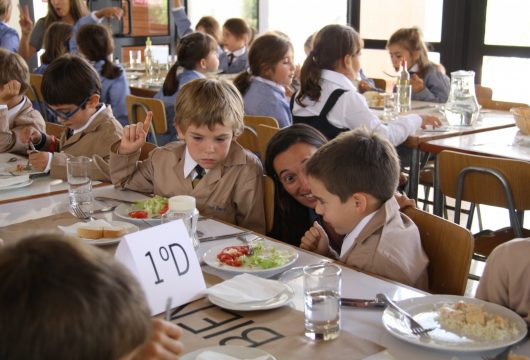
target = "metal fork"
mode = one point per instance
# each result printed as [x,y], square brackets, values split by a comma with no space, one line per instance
[415,326]
[80,214]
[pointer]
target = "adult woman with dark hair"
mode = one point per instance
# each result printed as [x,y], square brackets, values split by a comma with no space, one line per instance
[73,12]
[285,158]
[286,154]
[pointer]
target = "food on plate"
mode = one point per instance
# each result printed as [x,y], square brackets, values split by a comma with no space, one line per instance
[144,209]
[263,256]
[512,356]
[471,320]
[100,229]
[374,98]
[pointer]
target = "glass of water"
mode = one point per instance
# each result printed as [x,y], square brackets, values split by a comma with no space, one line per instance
[322,284]
[79,182]
[390,110]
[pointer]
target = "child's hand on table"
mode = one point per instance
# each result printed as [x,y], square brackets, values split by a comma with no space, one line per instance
[163,343]
[134,136]
[316,240]
[430,120]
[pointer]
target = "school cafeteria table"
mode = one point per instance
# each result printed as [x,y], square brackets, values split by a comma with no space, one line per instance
[489,120]
[362,333]
[506,142]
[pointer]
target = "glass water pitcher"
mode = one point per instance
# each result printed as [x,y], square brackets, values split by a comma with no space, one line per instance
[462,107]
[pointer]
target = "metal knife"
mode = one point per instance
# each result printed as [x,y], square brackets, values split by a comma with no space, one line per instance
[104,198]
[221,237]
[362,303]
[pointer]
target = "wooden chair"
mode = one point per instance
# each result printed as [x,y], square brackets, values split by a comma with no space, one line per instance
[249,140]
[254,120]
[268,201]
[34,94]
[449,248]
[145,150]
[379,83]
[55,129]
[264,133]
[490,181]
[137,108]
[500,105]
[483,93]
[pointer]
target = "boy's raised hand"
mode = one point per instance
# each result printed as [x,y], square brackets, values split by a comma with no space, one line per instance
[26,24]
[316,240]
[110,12]
[9,90]
[134,136]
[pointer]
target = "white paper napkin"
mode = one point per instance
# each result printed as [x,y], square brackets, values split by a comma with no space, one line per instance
[13,180]
[247,288]
[213,355]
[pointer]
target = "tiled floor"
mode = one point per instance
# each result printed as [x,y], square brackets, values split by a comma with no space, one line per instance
[492,218]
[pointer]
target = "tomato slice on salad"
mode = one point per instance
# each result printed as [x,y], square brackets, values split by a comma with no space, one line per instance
[230,255]
[138,214]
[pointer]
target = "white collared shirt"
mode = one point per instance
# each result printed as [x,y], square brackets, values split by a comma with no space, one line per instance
[349,240]
[271,83]
[238,52]
[351,110]
[189,165]
[90,119]
[14,110]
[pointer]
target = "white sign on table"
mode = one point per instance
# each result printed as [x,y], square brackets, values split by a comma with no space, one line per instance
[164,262]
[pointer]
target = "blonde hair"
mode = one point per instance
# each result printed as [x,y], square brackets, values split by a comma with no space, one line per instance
[209,102]
[13,67]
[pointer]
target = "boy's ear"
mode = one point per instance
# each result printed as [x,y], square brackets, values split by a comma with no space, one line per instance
[202,64]
[360,201]
[180,132]
[93,101]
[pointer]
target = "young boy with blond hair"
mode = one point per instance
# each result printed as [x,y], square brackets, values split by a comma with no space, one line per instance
[208,164]
[71,88]
[63,299]
[16,111]
[354,178]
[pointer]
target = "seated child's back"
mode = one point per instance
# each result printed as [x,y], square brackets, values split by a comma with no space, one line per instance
[353,178]
[209,116]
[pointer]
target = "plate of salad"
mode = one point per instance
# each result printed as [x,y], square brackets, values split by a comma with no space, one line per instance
[146,210]
[266,259]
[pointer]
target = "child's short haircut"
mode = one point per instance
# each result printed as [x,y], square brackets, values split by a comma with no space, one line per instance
[13,67]
[209,102]
[238,27]
[62,299]
[69,79]
[5,6]
[356,161]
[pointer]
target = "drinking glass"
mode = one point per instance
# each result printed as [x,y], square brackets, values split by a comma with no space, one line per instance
[322,283]
[183,207]
[79,182]
[389,107]
[135,58]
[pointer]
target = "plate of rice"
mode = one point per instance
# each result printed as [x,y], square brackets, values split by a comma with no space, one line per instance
[460,324]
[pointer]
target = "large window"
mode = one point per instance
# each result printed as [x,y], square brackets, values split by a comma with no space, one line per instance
[223,10]
[506,29]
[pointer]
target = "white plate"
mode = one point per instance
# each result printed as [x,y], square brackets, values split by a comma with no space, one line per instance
[239,352]
[72,231]
[280,300]
[16,186]
[210,258]
[424,310]
[123,211]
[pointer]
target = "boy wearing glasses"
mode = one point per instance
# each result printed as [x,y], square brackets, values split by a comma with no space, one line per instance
[16,112]
[71,89]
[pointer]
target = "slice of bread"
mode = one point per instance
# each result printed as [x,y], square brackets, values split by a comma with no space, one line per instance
[100,229]
[90,231]
[114,231]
